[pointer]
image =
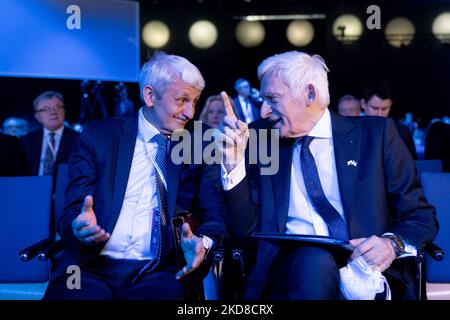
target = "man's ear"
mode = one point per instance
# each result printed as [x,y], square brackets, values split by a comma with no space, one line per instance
[311,95]
[363,104]
[148,95]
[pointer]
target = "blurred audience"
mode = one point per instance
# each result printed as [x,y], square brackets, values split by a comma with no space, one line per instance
[349,106]
[213,111]
[246,105]
[409,122]
[377,101]
[15,127]
[124,106]
[12,160]
[47,147]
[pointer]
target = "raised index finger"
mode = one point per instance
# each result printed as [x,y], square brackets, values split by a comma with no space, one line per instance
[230,116]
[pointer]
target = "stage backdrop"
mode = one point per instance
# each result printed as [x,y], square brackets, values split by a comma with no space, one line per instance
[70,39]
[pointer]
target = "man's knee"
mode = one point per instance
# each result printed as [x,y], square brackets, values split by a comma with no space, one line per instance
[315,274]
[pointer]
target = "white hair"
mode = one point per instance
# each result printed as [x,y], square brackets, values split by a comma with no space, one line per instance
[298,70]
[163,69]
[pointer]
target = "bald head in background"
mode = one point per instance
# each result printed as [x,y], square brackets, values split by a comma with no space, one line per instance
[349,106]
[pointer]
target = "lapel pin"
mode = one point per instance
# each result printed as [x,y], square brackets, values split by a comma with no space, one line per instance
[352,163]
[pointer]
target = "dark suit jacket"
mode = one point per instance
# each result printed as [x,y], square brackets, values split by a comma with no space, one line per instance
[381,194]
[100,166]
[13,162]
[32,145]
[407,138]
[255,109]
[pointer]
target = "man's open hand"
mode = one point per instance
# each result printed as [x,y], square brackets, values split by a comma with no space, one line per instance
[85,227]
[193,249]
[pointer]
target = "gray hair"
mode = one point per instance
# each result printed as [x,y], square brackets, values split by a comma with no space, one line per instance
[298,70]
[47,95]
[163,69]
[348,97]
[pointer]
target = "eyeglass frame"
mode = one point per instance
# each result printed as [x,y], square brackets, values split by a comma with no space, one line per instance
[48,109]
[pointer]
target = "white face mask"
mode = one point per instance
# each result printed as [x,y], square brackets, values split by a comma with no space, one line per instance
[360,281]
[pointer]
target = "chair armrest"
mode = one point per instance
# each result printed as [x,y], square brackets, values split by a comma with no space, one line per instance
[434,251]
[49,251]
[32,251]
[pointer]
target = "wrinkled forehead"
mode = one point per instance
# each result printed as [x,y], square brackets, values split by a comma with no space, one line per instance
[180,87]
[273,84]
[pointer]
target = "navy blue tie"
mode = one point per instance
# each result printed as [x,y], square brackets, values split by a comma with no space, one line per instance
[337,227]
[160,225]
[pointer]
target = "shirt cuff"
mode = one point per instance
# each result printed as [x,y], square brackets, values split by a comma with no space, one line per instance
[232,179]
[210,241]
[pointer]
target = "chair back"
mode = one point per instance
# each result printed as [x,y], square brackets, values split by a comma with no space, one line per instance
[25,206]
[436,187]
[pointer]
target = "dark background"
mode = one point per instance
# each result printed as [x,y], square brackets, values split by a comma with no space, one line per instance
[419,73]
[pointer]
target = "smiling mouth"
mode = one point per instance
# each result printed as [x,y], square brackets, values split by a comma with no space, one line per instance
[182,118]
[275,121]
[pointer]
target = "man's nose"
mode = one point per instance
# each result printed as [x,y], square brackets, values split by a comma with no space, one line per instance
[265,111]
[189,111]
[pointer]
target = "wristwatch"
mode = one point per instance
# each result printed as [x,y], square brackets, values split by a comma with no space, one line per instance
[397,243]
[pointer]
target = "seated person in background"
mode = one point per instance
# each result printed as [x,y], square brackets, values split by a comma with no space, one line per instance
[213,112]
[46,148]
[15,127]
[247,107]
[349,106]
[349,178]
[125,188]
[13,162]
[437,144]
[377,101]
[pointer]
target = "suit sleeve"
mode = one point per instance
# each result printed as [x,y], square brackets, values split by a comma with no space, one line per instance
[82,182]
[211,203]
[416,219]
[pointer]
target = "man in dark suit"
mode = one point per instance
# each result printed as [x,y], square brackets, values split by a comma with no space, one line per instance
[348,178]
[12,160]
[124,190]
[50,146]
[247,107]
[377,101]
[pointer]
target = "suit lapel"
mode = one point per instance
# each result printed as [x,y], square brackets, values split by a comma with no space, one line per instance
[346,141]
[36,152]
[125,151]
[281,183]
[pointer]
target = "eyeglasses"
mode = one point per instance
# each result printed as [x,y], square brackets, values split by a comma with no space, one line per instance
[49,109]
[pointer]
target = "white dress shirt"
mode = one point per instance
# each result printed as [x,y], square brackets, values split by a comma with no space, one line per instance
[131,236]
[46,143]
[246,107]
[302,216]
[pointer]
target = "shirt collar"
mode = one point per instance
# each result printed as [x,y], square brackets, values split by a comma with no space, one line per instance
[146,129]
[322,129]
[58,132]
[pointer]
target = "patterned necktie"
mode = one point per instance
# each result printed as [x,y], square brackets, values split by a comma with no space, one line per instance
[335,223]
[160,222]
[49,156]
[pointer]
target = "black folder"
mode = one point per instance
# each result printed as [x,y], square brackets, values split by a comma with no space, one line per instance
[342,247]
